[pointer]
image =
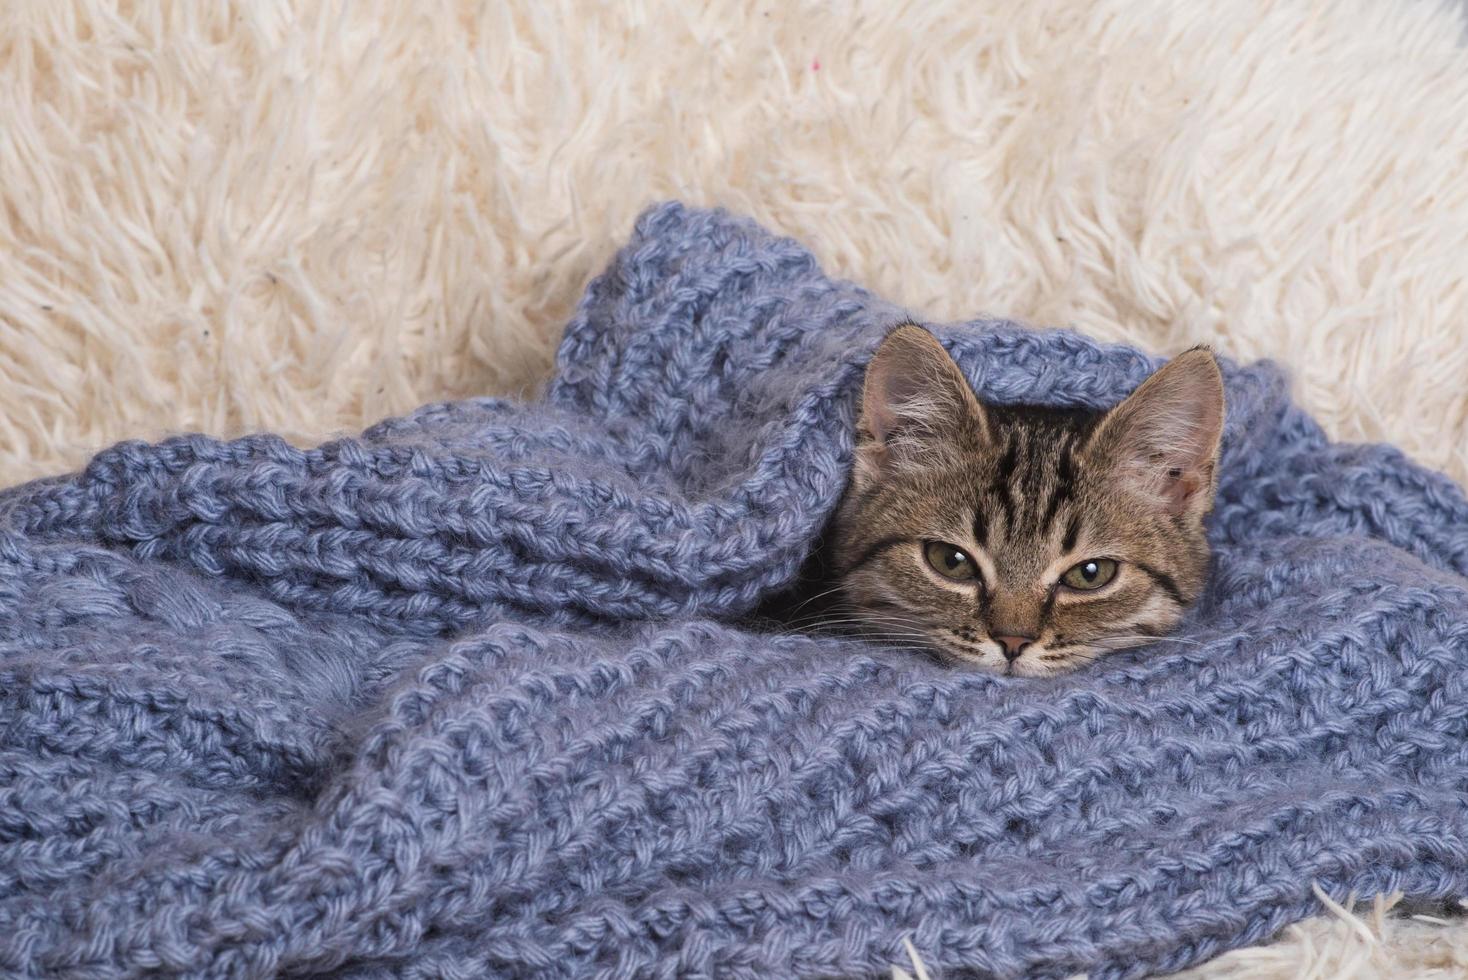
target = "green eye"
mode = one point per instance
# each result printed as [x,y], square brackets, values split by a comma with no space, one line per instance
[1091,574]
[950,561]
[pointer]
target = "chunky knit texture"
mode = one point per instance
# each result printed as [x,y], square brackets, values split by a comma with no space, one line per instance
[469,696]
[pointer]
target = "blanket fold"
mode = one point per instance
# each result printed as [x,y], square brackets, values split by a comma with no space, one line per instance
[471,694]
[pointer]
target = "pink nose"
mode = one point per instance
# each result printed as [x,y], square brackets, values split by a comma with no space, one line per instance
[1013,645]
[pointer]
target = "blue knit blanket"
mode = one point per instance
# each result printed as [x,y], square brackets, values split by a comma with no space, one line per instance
[470,695]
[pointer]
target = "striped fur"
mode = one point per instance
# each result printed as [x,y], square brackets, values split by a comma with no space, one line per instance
[1027,493]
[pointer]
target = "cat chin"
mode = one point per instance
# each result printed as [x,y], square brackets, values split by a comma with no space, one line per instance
[1031,664]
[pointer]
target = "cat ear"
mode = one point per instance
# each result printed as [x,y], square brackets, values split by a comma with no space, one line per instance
[1161,443]
[915,402]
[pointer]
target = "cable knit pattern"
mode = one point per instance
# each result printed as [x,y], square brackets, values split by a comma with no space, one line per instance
[469,695]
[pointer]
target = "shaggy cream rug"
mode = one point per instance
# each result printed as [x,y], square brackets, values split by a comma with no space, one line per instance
[304,215]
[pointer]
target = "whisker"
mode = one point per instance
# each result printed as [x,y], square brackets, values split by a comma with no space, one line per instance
[868,623]
[819,595]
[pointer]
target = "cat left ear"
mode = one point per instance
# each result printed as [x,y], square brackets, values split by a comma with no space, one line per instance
[1161,443]
[915,401]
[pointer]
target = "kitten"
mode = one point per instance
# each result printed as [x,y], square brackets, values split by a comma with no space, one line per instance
[1021,539]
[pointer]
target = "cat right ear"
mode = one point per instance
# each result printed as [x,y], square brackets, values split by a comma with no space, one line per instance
[915,404]
[1161,443]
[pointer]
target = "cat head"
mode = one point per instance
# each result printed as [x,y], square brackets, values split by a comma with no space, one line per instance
[1025,540]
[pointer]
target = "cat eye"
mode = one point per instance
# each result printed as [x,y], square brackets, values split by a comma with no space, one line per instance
[1091,574]
[950,561]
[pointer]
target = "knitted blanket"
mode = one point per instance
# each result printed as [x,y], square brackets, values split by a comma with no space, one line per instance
[471,694]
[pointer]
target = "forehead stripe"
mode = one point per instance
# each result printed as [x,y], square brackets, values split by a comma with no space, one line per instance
[1058,495]
[1001,488]
[981,530]
[1072,533]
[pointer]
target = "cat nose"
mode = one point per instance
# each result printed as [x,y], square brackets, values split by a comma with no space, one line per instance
[1013,645]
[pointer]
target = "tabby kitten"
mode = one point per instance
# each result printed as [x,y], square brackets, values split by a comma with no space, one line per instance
[1021,539]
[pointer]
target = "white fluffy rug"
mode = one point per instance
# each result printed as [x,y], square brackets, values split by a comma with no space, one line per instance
[301,216]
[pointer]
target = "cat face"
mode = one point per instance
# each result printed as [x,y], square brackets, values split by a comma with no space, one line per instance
[1025,540]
